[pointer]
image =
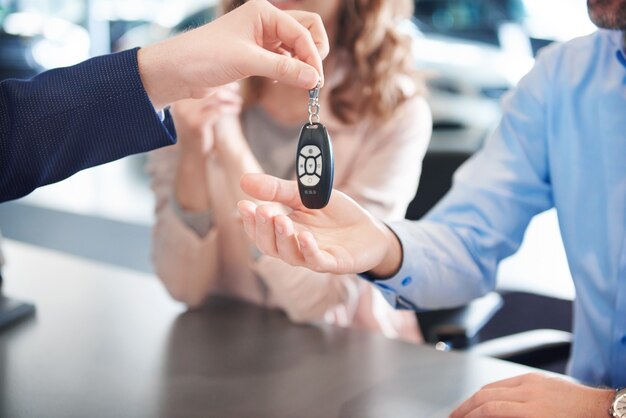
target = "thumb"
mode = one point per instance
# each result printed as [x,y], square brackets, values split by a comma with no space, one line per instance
[271,189]
[283,68]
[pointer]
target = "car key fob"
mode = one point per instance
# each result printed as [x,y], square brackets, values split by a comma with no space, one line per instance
[315,167]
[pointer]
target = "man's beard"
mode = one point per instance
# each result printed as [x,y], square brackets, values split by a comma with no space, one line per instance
[608,14]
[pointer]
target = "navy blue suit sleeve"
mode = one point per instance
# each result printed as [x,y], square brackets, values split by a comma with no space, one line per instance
[68,119]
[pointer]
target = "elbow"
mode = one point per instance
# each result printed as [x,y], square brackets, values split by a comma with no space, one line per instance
[310,307]
[301,316]
[181,291]
[301,311]
[181,283]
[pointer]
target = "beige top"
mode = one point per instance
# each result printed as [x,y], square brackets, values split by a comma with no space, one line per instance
[377,166]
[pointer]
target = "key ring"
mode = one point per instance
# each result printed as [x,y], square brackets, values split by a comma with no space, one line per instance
[314,104]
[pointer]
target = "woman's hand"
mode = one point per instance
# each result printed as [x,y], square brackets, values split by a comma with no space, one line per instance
[195,119]
[341,238]
[250,40]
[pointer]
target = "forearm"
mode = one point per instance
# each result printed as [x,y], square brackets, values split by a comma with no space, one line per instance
[190,186]
[438,270]
[184,262]
[160,66]
[235,157]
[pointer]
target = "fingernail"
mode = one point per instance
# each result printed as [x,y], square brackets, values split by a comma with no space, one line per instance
[307,77]
[262,219]
[279,230]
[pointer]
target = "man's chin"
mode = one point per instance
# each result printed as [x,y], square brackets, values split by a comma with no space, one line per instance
[608,23]
[607,14]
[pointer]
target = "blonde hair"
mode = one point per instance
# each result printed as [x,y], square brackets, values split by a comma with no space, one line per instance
[379,60]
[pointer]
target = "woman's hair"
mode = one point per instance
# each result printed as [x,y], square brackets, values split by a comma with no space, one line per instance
[379,58]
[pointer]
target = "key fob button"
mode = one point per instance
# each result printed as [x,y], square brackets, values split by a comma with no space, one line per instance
[301,168]
[310,165]
[318,167]
[310,181]
[310,151]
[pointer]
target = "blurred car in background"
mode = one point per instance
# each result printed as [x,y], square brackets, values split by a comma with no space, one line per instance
[508,24]
[479,49]
[466,80]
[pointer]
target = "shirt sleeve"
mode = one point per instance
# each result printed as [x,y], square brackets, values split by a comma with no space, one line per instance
[68,119]
[199,222]
[451,257]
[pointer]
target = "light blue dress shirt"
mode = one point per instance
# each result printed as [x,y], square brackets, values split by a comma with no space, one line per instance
[561,143]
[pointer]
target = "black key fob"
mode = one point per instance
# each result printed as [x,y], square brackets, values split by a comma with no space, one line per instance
[314,166]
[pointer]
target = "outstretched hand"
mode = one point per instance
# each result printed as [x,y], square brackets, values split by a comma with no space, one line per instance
[340,238]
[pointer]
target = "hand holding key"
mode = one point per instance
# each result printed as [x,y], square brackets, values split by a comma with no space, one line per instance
[250,40]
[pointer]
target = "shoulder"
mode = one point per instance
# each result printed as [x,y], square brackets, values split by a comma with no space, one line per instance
[578,55]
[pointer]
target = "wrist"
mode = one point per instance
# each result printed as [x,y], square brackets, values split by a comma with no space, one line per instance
[392,261]
[617,407]
[160,76]
[603,399]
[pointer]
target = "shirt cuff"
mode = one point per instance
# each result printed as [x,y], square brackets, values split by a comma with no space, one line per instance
[393,288]
[199,222]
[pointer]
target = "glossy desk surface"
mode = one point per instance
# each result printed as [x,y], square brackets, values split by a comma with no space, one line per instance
[109,342]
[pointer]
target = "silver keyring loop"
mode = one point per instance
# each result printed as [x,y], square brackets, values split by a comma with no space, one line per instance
[314,104]
[314,118]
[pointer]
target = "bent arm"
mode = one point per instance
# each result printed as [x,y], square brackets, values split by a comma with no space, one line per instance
[451,257]
[185,261]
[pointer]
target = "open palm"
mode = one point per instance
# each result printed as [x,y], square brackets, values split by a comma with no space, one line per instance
[340,238]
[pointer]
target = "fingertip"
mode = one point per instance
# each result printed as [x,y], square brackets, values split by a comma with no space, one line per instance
[265,213]
[308,77]
[283,225]
[313,258]
[307,241]
[247,213]
[246,210]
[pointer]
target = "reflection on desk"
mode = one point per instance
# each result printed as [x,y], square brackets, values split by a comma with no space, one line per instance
[109,342]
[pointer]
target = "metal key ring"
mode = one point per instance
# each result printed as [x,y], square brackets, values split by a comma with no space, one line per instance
[314,118]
